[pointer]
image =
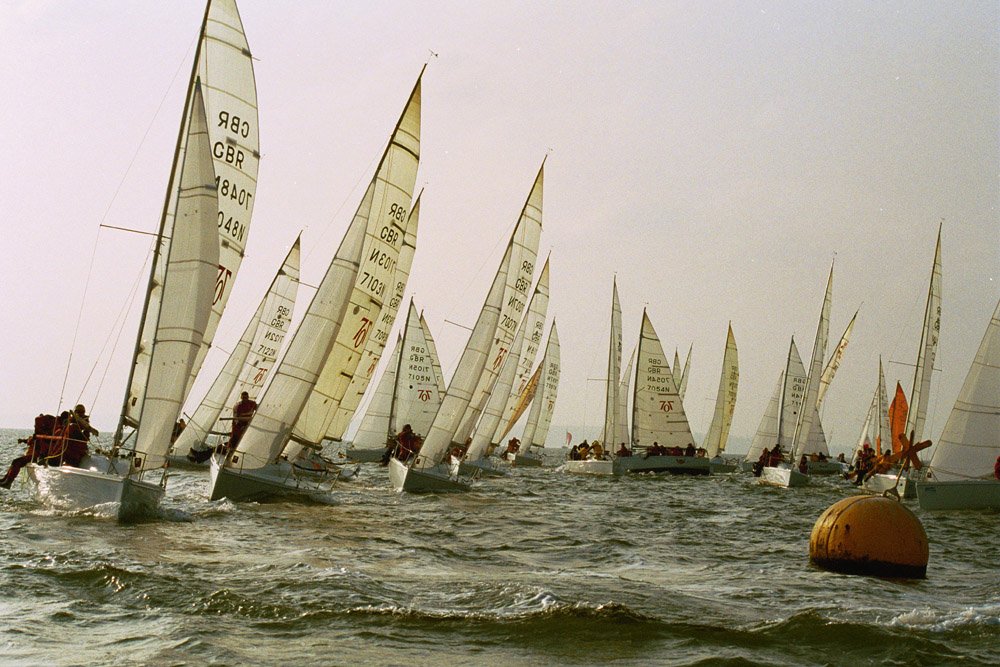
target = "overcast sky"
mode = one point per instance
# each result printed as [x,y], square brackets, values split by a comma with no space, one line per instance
[716,156]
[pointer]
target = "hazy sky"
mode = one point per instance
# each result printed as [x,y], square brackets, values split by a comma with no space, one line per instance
[715,155]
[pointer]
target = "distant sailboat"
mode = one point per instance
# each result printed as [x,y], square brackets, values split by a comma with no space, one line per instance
[543,403]
[725,405]
[323,353]
[964,472]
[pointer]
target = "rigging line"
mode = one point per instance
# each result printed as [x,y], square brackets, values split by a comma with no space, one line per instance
[333,217]
[107,211]
[126,306]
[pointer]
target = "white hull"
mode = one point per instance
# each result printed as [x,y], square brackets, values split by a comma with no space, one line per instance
[526,460]
[784,477]
[879,484]
[182,463]
[482,467]
[970,494]
[438,479]
[76,489]
[674,465]
[590,467]
[276,480]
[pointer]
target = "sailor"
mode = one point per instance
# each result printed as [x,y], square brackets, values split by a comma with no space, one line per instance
[689,451]
[804,465]
[623,451]
[406,443]
[178,429]
[243,412]
[996,468]
[80,418]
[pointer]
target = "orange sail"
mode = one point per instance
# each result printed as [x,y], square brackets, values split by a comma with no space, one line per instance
[897,419]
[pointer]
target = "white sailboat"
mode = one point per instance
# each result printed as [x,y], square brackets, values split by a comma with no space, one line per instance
[788,474]
[476,459]
[920,394]
[325,350]
[435,469]
[409,392]
[132,479]
[245,370]
[602,464]
[964,472]
[543,404]
[658,418]
[725,405]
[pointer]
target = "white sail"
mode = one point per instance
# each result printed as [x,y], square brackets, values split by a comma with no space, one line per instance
[377,340]
[470,367]
[389,231]
[682,387]
[614,368]
[435,359]
[883,432]
[418,393]
[831,367]
[370,238]
[523,255]
[793,393]
[622,431]
[534,330]
[725,401]
[374,430]
[185,294]
[657,412]
[544,402]
[251,359]
[816,443]
[677,369]
[225,68]
[920,394]
[809,399]
[970,443]
[767,431]
[870,423]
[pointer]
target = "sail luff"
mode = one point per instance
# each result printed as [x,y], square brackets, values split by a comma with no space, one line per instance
[767,430]
[725,400]
[614,367]
[682,387]
[831,367]
[622,432]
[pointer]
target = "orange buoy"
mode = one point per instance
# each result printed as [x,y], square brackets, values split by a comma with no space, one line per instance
[870,535]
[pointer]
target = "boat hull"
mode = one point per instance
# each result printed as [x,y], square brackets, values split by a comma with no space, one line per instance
[526,460]
[783,477]
[78,489]
[972,494]
[719,466]
[364,455]
[879,484]
[482,467]
[673,465]
[826,467]
[276,481]
[431,480]
[590,467]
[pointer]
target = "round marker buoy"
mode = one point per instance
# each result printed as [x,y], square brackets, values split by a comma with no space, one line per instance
[870,535]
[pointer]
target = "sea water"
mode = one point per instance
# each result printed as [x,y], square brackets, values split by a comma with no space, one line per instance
[537,568]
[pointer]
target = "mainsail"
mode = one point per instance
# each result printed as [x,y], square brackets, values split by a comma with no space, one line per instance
[622,431]
[813,379]
[614,368]
[544,403]
[920,394]
[657,411]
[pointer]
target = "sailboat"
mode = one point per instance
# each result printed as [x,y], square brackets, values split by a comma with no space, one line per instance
[245,370]
[323,353]
[920,393]
[132,479]
[476,459]
[544,388]
[787,474]
[658,416]
[174,335]
[601,463]
[409,392]
[435,467]
[725,405]
[964,472]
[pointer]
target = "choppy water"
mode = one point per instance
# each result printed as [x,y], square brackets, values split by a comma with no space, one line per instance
[539,568]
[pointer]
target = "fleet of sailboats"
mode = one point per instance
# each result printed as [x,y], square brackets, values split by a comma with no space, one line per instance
[315,392]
